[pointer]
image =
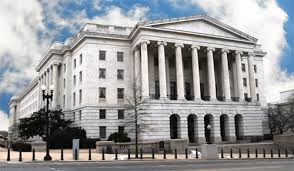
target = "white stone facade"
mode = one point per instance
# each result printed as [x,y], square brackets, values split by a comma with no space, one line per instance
[191,71]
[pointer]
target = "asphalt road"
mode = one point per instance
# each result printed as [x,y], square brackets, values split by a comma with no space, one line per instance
[158,165]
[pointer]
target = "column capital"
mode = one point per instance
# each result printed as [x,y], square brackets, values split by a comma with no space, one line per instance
[250,54]
[145,41]
[210,48]
[225,50]
[195,47]
[179,45]
[161,43]
[238,52]
[136,48]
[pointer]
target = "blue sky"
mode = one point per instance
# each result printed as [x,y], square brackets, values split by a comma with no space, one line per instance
[56,20]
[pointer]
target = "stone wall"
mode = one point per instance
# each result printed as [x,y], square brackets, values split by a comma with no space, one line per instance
[285,141]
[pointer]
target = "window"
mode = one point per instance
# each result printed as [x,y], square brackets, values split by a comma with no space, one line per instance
[102,92]
[74,99]
[244,82]
[81,76]
[255,68]
[257,97]
[121,129]
[64,83]
[81,58]
[256,82]
[172,62]
[102,130]
[102,73]
[102,114]
[75,63]
[102,54]
[64,67]
[120,74]
[243,68]
[120,93]
[80,115]
[120,56]
[63,100]
[245,95]
[81,96]
[121,114]
[74,80]
[74,116]
[155,60]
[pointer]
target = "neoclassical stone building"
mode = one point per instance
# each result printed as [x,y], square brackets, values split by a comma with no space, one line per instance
[193,71]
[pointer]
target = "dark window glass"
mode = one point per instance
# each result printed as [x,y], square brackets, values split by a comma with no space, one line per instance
[120,74]
[120,93]
[155,60]
[102,131]
[244,82]
[102,92]
[120,56]
[243,68]
[245,95]
[255,68]
[257,97]
[102,114]
[102,54]
[81,58]
[102,73]
[75,63]
[121,129]
[121,114]
[74,99]
[256,82]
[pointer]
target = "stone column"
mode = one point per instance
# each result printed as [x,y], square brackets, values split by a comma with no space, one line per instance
[48,79]
[40,91]
[195,70]
[251,77]
[211,75]
[55,84]
[238,82]
[201,130]
[137,73]
[184,128]
[216,128]
[144,69]
[225,75]
[179,72]
[232,136]
[162,69]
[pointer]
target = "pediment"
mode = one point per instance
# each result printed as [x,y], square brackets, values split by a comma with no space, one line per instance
[201,25]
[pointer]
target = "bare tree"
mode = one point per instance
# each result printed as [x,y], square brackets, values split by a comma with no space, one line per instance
[136,111]
[281,119]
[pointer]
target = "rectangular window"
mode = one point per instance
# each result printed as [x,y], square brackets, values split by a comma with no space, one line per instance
[102,114]
[74,80]
[256,82]
[63,100]
[244,82]
[74,99]
[64,83]
[102,54]
[64,67]
[120,74]
[81,77]
[102,92]
[120,56]
[120,93]
[75,63]
[243,68]
[121,114]
[81,58]
[74,116]
[81,96]
[80,115]
[102,73]
[121,129]
[102,130]
[257,97]
[255,68]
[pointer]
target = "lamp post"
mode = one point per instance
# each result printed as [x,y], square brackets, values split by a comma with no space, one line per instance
[47,97]
[208,133]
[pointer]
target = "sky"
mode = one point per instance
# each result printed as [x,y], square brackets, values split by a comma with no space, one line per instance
[28,28]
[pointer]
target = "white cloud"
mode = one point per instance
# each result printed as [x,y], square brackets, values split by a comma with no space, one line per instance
[3,121]
[263,19]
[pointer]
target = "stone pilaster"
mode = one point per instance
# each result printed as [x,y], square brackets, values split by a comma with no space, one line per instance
[232,136]
[251,77]
[195,71]
[225,75]
[55,84]
[162,69]
[238,82]
[201,130]
[144,69]
[216,129]
[211,75]
[179,72]
[137,73]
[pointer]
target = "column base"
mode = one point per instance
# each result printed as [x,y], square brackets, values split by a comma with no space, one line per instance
[198,100]
[163,98]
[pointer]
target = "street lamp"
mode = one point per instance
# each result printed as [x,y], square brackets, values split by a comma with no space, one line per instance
[47,97]
[208,133]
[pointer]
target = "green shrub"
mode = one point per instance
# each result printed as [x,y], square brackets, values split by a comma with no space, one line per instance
[119,137]
[89,142]
[21,146]
[62,138]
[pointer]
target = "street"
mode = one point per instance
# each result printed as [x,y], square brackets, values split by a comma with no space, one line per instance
[163,165]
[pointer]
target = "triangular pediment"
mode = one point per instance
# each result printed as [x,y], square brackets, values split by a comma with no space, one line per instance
[200,25]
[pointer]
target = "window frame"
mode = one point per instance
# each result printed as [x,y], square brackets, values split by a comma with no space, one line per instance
[121,75]
[120,56]
[101,56]
[244,82]
[243,67]
[102,70]
[102,115]
[102,133]
[119,95]
[120,114]
[100,90]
